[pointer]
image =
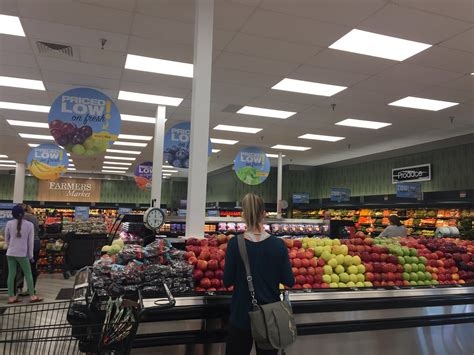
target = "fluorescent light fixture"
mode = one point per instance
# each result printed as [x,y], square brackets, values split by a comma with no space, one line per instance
[168,167]
[3,156]
[23,107]
[135,137]
[290,147]
[71,169]
[119,158]
[142,119]
[36,136]
[223,141]
[33,145]
[150,99]
[308,87]
[28,124]
[275,155]
[11,25]
[159,66]
[169,171]
[113,171]
[7,166]
[423,104]
[116,163]
[167,174]
[377,45]
[68,154]
[265,112]
[130,144]
[8,161]
[119,151]
[21,83]
[351,122]
[71,166]
[70,160]
[240,129]
[320,137]
[115,167]
[216,150]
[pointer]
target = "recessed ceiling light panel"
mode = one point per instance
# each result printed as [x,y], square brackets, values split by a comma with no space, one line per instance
[131,144]
[150,99]
[320,137]
[351,122]
[135,137]
[28,124]
[120,151]
[23,107]
[240,129]
[216,150]
[423,104]
[119,158]
[275,155]
[134,118]
[36,136]
[117,163]
[308,87]
[223,141]
[290,147]
[11,25]
[21,83]
[265,112]
[377,45]
[159,66]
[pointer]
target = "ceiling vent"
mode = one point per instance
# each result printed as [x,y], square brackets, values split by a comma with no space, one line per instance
[55,49]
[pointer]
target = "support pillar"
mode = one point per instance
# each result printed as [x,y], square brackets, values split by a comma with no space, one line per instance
[19,187]
[201,100]
[279,183]
[158,146]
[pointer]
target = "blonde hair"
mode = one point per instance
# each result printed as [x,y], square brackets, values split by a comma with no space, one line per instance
[253,210]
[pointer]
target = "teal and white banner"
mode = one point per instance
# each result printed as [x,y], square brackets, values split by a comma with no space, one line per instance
[252,165]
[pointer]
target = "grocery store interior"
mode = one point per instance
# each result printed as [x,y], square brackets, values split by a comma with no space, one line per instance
[131,130]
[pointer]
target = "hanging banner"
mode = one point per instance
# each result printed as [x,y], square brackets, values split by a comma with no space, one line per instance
[340,195]
[81,213]
[69,190]
[409,190]
[176,145]
[143,175]
[251,165]
[47,162]
[411,173]
[84,121]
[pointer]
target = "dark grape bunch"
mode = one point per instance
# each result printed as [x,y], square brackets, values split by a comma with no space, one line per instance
[177,156]
[76,140]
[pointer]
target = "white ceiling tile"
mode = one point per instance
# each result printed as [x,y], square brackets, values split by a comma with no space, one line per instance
[126,5]
[9,7]
[293,29]
[18,61]
[156,80]
[413,25]
[74,13]
[271,49]
[182,10]
[71,66]
[463,41]
[239,77]
[446,59]
[72,35]
[442,93]
[465,82]
[102,57]
[460,9]
[344,12]
[327,76]
[58,80]
[253,64]
[350,62]
[154,89]
[33,97]
[159,48]
[234,94]
[163,29]
[14,44]
[293,98]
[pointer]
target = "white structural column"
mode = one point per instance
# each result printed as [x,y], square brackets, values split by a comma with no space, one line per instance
[201,100]
[158,146]
[279,183]
[19,187]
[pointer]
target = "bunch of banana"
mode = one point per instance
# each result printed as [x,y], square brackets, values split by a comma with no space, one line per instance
[45,171]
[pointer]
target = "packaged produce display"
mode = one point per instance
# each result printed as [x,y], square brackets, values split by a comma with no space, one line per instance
[51,256]
[91,226]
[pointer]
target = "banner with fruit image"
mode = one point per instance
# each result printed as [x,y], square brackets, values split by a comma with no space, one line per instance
[84,121]
[176,145]
[252,165]
[143,175]
[47,162]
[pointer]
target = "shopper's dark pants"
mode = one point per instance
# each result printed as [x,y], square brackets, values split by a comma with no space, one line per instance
[240,341]
[34,268]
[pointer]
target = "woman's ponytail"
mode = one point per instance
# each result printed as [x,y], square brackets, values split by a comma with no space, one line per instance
[19,221]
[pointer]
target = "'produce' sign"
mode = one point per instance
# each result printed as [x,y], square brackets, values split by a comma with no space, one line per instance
[84,121]
[411,173]
[252,166]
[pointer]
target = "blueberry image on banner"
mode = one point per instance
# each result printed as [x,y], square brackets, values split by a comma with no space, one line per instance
[176,145]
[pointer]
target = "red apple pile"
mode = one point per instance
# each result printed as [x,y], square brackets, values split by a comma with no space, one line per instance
[207,256]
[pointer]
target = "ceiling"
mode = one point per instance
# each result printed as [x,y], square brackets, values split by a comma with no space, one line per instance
[257,43]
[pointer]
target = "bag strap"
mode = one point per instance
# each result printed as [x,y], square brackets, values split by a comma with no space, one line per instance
[245,260]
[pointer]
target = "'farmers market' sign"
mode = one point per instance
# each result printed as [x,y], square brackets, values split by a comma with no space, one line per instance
[69,190]
[411,173]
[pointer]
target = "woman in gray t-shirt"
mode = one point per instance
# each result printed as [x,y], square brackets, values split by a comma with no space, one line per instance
[395,229]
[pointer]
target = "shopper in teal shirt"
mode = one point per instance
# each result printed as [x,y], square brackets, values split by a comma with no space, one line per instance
[19,235]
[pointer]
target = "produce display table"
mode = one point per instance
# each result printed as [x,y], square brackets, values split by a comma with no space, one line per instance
[81,249]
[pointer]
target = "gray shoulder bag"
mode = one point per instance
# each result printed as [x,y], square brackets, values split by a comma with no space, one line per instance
[273,325]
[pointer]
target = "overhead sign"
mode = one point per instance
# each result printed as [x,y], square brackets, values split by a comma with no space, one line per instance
[47,162]
[69,190]
[176,145]
[411,173]
[409,190]
[252,165]
[301,197]
[81,213]
[143,175]
[85,121]
[340,195]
